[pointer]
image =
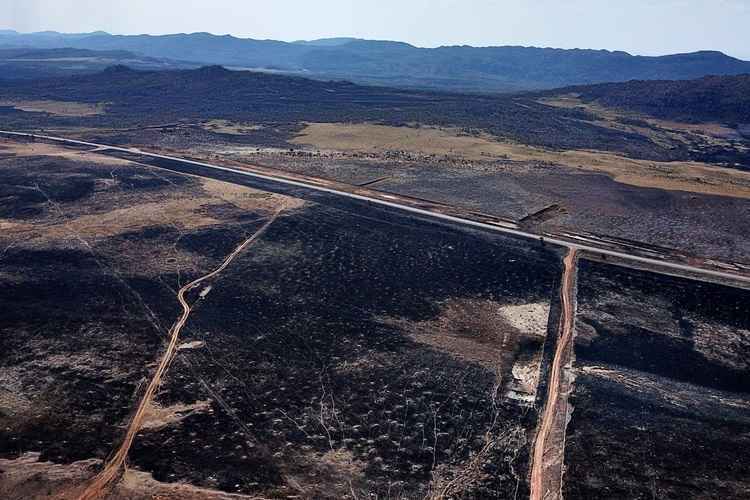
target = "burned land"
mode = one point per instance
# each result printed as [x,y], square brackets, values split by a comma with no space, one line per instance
[581,159]
[334,349]
[145,98]
[661,404]
[343,354]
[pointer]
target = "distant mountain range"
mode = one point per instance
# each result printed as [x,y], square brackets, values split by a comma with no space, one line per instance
[456,68]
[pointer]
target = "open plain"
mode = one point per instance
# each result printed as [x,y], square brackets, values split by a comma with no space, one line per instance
[344,352]
[330,349]
[305,289]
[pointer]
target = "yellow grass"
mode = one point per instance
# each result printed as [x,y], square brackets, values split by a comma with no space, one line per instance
[692,177]
[230,128]
[58,108]
[248,198]
[42,149]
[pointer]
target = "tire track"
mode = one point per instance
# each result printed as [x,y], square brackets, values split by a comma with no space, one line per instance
[117,463]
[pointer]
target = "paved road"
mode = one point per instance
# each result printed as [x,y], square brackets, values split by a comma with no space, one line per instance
[570,241]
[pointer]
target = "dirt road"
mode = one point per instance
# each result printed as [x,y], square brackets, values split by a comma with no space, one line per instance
[117,462]
[540,483]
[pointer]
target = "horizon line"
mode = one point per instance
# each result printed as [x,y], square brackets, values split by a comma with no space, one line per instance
[356,38]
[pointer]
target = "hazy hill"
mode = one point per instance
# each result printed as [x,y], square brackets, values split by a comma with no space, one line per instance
[327,42]
[713,98]
[401,64]
[24,63]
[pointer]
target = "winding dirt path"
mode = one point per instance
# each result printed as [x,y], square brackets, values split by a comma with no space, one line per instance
[117,463]
[539,481]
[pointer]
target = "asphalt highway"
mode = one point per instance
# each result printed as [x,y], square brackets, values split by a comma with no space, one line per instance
[658,263]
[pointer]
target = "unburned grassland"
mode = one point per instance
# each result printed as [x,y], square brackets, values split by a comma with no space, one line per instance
[692,177]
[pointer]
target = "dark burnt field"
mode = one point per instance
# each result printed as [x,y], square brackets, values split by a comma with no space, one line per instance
[697,224]
[75,345]
[90,252]
[350,351]
[315,377]
[661,401]
[75,339]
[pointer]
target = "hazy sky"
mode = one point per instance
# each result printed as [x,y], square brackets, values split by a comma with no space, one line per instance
[637,26]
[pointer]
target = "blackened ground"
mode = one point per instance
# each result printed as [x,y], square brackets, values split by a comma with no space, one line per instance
[697,224]
[27,185]
[661,406]
[19,194]
[84,317]
[312,383]
[302,364]
[73,347]
[625,443]
[183,135]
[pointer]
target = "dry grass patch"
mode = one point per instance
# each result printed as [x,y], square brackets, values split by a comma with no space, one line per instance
[230,128]
[142,485]
[8,226]
[185,212]
[26,477]
[158,417]
[691,177]
[58,108]
[715,133]
[43,149]
[249,198]
[382,138]
[711,129]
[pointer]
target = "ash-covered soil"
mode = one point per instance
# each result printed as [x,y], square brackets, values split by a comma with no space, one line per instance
[661,400]
[698,224]
[341,366]
[91,249]
[351,351]
[681,206]
[345,353]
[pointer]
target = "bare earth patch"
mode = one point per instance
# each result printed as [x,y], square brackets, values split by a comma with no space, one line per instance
[157,417]
[490,335]
[26,477]
[531,318]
